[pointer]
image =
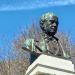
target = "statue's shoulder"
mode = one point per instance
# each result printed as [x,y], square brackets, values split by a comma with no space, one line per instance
[28,42]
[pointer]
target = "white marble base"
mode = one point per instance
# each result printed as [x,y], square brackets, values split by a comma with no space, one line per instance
[51,65]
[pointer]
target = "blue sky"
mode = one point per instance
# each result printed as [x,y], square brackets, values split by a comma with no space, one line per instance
[15,15]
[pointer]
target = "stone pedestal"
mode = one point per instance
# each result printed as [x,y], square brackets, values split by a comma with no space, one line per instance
[50,65]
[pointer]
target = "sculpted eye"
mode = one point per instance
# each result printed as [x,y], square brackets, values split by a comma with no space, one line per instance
[52,21]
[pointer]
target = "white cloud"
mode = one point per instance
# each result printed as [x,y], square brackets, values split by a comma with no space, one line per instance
[35,4]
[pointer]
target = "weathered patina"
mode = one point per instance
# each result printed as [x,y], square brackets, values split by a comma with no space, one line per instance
[48,44]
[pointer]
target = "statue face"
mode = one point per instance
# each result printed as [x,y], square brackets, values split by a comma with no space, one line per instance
[49,26]
[49,23]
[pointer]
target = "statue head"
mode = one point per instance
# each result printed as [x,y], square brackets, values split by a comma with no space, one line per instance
[49,23]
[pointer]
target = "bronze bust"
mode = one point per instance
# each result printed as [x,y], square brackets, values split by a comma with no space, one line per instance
[48,44]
